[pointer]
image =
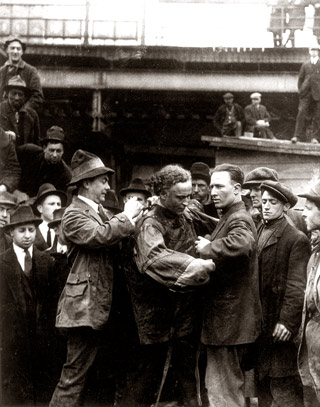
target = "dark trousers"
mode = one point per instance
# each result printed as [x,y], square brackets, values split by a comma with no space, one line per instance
[308,108]
[144,383]
[280,392]
[82,349]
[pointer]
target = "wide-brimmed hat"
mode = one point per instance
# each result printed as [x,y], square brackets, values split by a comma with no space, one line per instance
[16,82]
[14,38]
[46,190]
[54,133]
[313,193]
[200,170]
[280,191]
[136,185]
[258,175]
[85,165]
[21,215]
[8,199]
[57,216]
[228,95]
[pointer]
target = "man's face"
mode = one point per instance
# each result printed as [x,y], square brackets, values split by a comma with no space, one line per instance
[141,197]
[272,208]
[223,190]
[311,214]
[200,190]
[48,206]
[256,101]
[176,198]
[228,101]
[16,98]
[4,212]
[14,52]
[313,53]
[255,195]
[97,188]
[53,152]
[24,235]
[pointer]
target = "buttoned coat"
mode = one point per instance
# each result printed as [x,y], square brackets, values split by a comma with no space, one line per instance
[282,264]
[86,298]
[231,304]
[221,114]
[25,324]
[309,80]
[252,115]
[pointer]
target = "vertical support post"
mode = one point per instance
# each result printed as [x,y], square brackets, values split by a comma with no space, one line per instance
[96,110]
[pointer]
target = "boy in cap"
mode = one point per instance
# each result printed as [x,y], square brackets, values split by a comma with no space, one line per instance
[16,116]
[309,350]
[7,203]
[40,165]
[85,303]
[25,298]
[309,99]
[229,117]
[283,255]
[46,202]
[258,118]
[15,65]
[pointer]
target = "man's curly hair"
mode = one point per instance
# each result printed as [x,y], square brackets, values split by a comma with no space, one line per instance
[169,176]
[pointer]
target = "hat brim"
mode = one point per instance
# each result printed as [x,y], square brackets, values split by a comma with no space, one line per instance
[37,201]
[310,197]
[8,203]
[251,184]
[124,191]
[35,221]
[54,223]
[291,200]
[91,174]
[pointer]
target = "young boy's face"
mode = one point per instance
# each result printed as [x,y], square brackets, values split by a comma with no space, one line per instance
[23,235]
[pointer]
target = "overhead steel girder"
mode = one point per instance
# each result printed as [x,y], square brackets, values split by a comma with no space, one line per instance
[277,82]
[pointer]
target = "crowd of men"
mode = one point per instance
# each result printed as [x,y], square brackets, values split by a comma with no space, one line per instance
[198,290]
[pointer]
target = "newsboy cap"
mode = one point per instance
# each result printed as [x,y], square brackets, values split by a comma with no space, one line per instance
[258,175]
[200,170]
[14,38]
[136,185]
[20,216]
[8,199]
[228,95]
[280,191]
[16,82]
[54,133]
[255,95]
[85,165]
[313,193]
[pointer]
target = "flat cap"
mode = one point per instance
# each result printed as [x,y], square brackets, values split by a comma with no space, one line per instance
[228,95]
[313,193]
[258,175]
[200,170]
[255,95]
[280,191]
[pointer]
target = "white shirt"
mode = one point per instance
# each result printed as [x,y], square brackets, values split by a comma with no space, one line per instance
[314,60]
[20,253]
[61,248]
[43,227]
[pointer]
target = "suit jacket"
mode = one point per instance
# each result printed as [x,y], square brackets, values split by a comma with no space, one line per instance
[252,115]
[231,304]
[309,80]
[24,314]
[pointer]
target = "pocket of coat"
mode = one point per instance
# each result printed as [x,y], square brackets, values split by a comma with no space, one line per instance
[77,289]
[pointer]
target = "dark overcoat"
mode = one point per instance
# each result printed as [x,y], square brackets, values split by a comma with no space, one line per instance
[10,171]
[25,328]
[231,304]
[309,80]
[253,114]
[282,264]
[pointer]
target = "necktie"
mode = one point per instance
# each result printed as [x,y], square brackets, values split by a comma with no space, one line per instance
[27,263]
[49,237]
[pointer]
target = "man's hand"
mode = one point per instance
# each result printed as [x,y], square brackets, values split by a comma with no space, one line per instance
[3,188]
[133,208]
[281,333]
[11,135]
[197,273]
[201,243]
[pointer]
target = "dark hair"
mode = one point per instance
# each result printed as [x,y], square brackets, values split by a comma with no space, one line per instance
[46,142]
[236,173]
[169,176]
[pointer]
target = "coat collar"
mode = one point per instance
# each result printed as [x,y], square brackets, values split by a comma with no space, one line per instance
[279,225]
[79,203]
[232,209]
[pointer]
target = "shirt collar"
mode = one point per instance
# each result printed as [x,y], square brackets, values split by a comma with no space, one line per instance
[89,202]
[21,64]
[314,60]
[19,250]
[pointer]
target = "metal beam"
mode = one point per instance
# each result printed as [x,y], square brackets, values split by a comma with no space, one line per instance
[277,82]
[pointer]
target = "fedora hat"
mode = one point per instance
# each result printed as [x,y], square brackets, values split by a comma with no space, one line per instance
[280,191]
[258,175]
[85,165]
[111,202]
[21,215]
[136,185]
[57,216]
[313,193]
[46,190]
[8,199]
[54,133]
[16,82]
[201,171]
[12,38]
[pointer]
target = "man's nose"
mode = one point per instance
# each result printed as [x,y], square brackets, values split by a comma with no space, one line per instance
[196,188]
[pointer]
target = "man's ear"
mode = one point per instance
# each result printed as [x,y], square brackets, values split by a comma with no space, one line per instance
[286,207]
[39,208]
[163,194]
[237,189]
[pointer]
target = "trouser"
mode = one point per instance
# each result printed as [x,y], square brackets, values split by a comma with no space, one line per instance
[280,392]
[225,376]
[263,132]
[308,107]
[82,349]
[232,129]
[144,383]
